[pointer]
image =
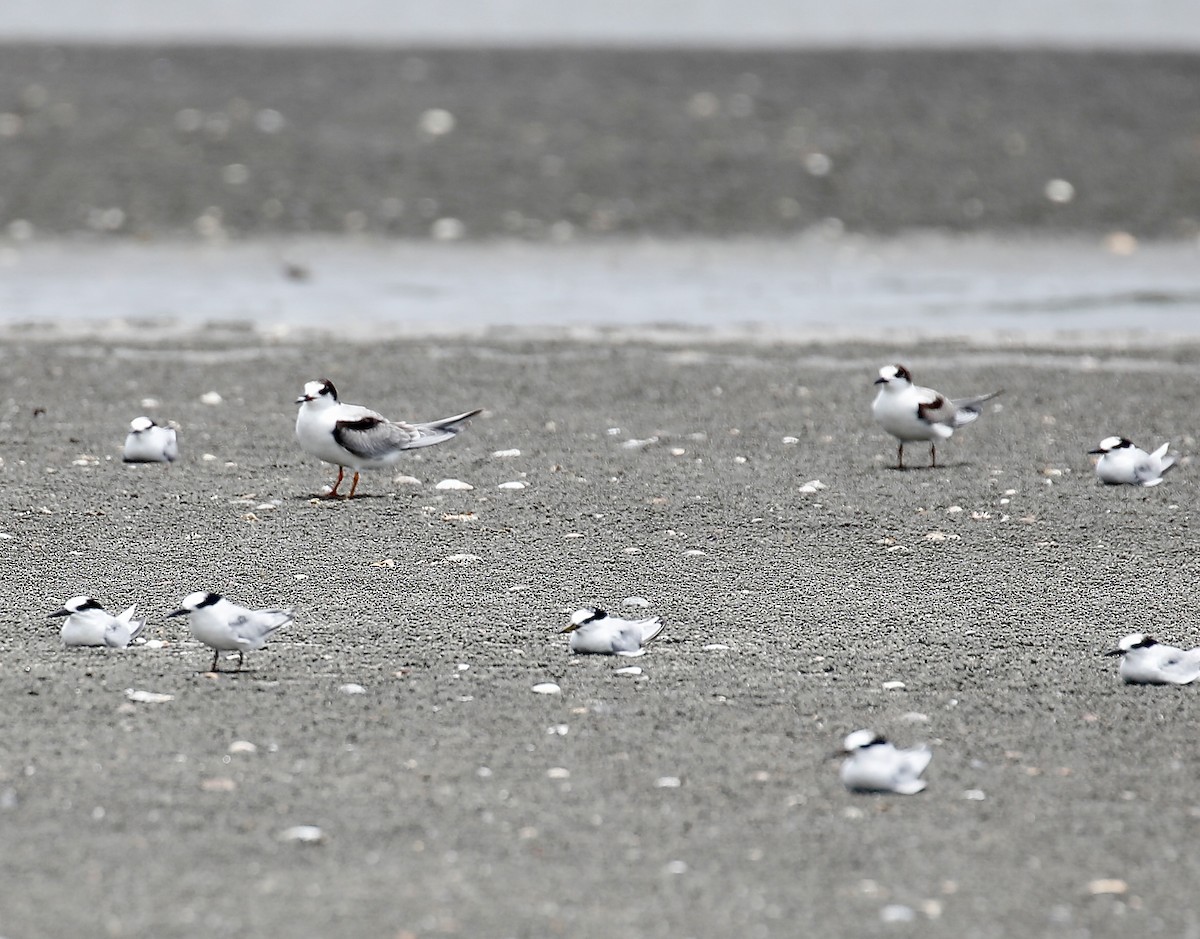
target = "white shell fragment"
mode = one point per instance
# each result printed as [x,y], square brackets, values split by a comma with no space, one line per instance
[457,484]
[503,454]
[404,480]
[546,687]
[211,397]
[715,647]
[635,444]
[668,782]
[1107,886]
[305,834]
[640,602]
[351,688]
[558,772]
[461,558]
[893,686]
[147,697]
[628,670]
[515,484]
[813,485]
[242,746]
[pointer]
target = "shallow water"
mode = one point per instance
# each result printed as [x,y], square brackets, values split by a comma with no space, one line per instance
[984,289]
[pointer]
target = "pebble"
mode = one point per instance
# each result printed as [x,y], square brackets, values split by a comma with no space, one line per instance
[211,397]
[515,484]
[546,687]
[406,480]
[456,484]
[352,688]
[502,454]
[628,670]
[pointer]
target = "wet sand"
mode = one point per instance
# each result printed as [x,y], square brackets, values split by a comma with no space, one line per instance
[453,801]
[554,144]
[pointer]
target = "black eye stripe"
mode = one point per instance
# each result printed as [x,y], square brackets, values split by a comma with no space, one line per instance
[209,600]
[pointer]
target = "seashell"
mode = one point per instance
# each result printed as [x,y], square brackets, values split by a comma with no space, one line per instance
[242,746]
[628,670]
[558,772]
[461,558]
[715,647]
[305,834]
[668,782]
[211,397]
[504,454]
[154,644]
[406,480]
[640,602]
[218,784]
[456,484]
[893,686]
[635,444]
[1106,886]
[546,687]
[148,697]
[352,688]
[515,484]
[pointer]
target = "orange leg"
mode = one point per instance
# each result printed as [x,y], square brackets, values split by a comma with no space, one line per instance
[353,486]
[333,491]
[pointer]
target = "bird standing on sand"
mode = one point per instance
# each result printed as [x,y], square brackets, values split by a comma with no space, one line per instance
[227,627]
[910,412]
[354,437]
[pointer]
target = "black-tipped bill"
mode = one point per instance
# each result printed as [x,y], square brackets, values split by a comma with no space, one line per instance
[178,613]
[63,612]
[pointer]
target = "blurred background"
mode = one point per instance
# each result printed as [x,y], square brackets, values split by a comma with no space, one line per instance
[799,166]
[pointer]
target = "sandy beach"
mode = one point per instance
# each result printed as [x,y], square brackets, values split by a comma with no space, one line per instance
[695,799]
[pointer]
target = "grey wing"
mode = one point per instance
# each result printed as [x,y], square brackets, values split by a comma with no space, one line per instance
[431,432]
[372,437]
[933,408]
[968,409]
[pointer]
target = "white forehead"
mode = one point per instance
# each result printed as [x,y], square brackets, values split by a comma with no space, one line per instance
[889,372]
[579,617]
[1110,443]
[1133,639]
[193,600]
[76,603]
[314,388]
[860,738]
[141,423]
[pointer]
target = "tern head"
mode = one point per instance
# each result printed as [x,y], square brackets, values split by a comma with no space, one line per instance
[78,605]
[894,376]
[1131,642]
[196,601]
[1108,444]
[139,424]
[861,739]
[321,390]
[584,616]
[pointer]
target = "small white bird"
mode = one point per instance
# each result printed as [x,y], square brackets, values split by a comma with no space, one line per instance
[593,631]
[227,627]
[1121,462]
[910,412]
[354,437]
[149,442]
[874,765]
[1146,661]
[87,624]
